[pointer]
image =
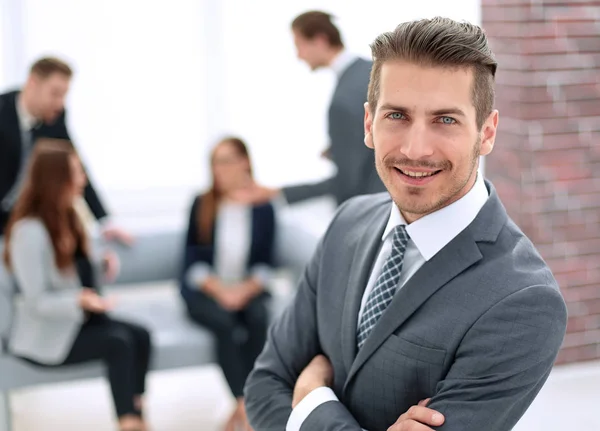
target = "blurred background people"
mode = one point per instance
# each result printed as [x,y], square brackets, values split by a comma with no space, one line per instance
[319,44]
[38,111]
[227,266]
[61,317]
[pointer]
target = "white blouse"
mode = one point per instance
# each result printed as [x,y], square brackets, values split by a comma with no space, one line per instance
[233,239]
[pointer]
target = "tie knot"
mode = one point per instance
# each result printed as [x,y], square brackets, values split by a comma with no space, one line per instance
[400,238]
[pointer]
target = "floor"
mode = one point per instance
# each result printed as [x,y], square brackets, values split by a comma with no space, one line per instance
[197,399]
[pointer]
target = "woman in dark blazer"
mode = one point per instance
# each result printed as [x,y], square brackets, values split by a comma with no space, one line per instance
[227,263]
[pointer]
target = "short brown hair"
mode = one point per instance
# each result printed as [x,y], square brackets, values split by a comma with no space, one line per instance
[44,67]
[439,42]
[313,23]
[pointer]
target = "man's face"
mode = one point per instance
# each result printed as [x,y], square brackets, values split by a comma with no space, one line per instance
[311,51]
[49,95]
[425,135]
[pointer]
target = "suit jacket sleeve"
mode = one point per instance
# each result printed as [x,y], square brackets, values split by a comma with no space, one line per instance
[293,341]
[89,193]
[303,192]
[193,251]
[502,363]
[30,256]
[262,269]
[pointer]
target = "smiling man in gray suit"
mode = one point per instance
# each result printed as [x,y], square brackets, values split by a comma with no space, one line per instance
[429,310]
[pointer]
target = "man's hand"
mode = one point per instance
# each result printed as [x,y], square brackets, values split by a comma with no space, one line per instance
[111,233]
[417,418]
[111,265]
[318,373]
[254,194]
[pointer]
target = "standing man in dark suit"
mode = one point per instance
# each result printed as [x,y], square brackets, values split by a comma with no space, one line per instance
[424,308]
[319,44]
[38,111]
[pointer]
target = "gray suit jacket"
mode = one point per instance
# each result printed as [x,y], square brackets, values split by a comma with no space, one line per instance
[47,316]
[477,329]
[356,173]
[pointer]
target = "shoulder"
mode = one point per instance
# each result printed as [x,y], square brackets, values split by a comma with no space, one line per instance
[8,96]
[29,230]
[360,206]
[195,201]
[7,100]
[264,208]
[360,66]
[357,215]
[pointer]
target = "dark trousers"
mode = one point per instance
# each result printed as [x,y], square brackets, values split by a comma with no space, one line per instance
[124,347]
[240,335]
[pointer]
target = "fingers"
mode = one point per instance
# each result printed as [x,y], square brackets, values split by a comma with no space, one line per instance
[424,402]
[422,415]
[409,425]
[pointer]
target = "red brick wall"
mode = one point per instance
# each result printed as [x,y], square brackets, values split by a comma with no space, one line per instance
[546,162]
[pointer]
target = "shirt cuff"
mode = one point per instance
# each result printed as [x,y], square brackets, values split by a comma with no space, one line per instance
[197,274]
[262,273]
[279,201]
[308,405]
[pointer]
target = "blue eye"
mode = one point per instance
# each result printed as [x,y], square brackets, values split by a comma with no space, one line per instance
[446,120]
[396,116]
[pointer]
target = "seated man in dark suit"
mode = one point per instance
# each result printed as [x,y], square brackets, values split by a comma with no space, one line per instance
[38,111]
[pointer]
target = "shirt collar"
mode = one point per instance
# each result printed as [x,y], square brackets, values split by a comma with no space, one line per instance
[434,231]
[26,120]
[341,62]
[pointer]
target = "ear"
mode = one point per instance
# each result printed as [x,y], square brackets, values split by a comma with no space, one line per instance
[488,133]
[368,127]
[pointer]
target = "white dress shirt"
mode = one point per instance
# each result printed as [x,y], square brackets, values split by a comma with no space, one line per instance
[233,239]
[428,235]
[342,61]
[26,123]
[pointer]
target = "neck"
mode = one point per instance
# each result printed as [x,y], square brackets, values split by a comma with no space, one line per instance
[27,102]
[332,54]
[410,217]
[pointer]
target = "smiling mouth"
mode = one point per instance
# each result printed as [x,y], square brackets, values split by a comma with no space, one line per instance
[417,174]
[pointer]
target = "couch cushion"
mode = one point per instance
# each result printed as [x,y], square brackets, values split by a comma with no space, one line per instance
[153,257]
[177,341]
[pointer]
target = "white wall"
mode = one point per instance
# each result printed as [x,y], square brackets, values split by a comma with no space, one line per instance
[273,99]
[157,82]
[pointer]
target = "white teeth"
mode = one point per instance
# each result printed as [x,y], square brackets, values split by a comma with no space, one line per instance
[416,174]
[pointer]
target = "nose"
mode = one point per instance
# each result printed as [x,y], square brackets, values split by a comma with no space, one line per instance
[417,144]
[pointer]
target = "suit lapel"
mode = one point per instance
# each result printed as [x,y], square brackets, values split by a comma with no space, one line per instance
[364,257]
[457,256]
[11,126]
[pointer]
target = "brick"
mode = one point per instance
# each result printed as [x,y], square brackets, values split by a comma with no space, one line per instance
[563,61]
[511,13]
[586,44]
[584,338]
[583,323]
[580,293]
[569,125]
[553,45]
[578,354]
[505,46]
[546,163]
[580,92]
[563,141]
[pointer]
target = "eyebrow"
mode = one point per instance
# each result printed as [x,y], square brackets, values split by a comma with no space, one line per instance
[442,111]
